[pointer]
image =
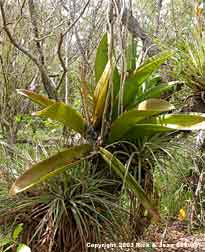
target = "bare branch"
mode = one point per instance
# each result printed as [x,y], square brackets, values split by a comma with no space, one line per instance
[12,39]
[134,27]
[33,16]
[77,19]
[61,61]
[44,76]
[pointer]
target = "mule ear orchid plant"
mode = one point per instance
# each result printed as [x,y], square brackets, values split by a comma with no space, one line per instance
[144,114]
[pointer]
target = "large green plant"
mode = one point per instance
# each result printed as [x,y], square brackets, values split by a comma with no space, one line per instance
[144,114]
[191,62]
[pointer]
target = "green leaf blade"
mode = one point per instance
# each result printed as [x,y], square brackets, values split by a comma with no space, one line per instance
[101,57]
[39,99]
[130,182]
[136,78]
[156,92]
[64,114]
[129,119]
[50,167]
[189,121]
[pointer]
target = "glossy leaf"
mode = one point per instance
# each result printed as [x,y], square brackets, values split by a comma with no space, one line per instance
[136,78]
[100,94]
[155,105]
[65,114]
[189,121]
[145,130]
[165,124]
[101,57]
[156,92]
[131,53]
[49,167]
[130,181]
[129,119]
[39,99]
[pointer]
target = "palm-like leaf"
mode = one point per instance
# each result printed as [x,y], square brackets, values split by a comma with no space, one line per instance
[192,62]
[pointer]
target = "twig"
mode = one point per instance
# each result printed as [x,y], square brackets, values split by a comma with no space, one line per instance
[76,20]
[35,30]
[65,69]
[12,39]
[44,76]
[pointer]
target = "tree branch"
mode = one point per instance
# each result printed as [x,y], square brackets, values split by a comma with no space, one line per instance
[33,16]
[61,61]
[77,19]
[134,27]
[44,76]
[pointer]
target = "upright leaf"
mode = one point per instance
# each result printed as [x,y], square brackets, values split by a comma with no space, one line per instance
[131,53]
[136,78]
[130,182]
[101,57]
[49,167]
[100,94]
[65,114]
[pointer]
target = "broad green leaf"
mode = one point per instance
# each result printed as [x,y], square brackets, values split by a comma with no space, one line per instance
[100,94]
[49,167]
[39,99]
[189,121]
[156,92]
[164,124]
[155,105]
[101,57]
[23,248]
[116,82]
[65,114]
[128,120]
[130,181]
[136,78]
[131,53]
[17,231]
[145,129]
[101,62]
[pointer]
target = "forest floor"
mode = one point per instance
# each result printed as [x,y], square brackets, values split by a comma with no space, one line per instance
[175,236]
